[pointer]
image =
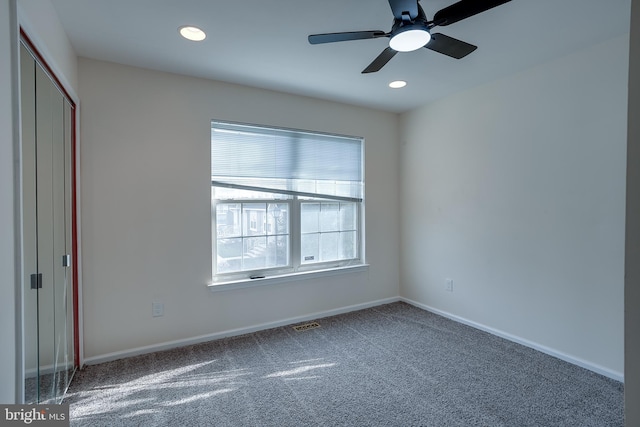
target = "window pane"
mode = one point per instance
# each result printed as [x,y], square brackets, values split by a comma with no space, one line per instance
[277,251]
[228,220]
[329,246]
[347,245]
[310,214]
[229,254]
[329,216]
[253,217]
[277,218]
[310,248]
[254,253]
[260,234]
[347,216]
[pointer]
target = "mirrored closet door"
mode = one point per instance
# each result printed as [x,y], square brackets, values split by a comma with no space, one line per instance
[47,129]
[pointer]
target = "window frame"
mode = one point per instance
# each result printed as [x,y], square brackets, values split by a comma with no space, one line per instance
[294,197]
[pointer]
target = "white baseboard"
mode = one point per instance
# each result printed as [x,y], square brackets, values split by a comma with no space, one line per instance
[45,370]
[230,333]
[618,376]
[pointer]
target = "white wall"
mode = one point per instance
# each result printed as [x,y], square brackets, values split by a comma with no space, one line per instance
[40,21]
[632,255]
[516,191]
[8,256]
[146,207]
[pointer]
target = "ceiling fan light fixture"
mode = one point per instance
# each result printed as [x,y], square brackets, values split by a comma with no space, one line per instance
[409,38]
[192,33]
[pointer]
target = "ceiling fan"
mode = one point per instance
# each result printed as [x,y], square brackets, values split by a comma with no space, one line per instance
[412,30]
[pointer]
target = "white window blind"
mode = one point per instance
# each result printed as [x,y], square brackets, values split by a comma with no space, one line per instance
[286,161]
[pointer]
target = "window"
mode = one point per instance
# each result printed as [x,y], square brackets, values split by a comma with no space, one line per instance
[328,231]
[284,201]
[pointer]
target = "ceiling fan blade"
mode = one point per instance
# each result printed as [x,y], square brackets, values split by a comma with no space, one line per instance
[449,46]
[464,9]
[380,61]
[341,37]
[399,6]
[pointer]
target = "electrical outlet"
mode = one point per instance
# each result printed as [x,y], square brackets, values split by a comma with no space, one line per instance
[449,285]
[157,309]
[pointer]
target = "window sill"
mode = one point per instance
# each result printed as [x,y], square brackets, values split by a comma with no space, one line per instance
[249,283]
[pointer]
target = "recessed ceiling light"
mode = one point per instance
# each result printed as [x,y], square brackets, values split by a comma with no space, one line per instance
[192,33]
[397,84]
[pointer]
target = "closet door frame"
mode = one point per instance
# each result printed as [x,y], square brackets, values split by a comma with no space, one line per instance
[75,271]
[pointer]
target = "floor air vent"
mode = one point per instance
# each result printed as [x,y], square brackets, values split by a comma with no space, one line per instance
[306,326]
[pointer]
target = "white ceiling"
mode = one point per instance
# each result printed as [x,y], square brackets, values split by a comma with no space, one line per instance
[264,43]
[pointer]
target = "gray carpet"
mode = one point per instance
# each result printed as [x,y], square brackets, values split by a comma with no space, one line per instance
[392,365]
